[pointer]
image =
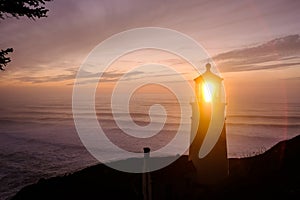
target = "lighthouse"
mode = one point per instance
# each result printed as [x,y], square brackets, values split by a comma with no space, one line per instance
[208,149]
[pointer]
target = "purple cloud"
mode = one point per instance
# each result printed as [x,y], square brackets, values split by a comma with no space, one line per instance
[277,53]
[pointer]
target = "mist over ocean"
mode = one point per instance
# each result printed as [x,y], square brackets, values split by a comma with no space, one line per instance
[39,139]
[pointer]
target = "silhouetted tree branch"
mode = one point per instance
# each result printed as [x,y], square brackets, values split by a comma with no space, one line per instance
[4,60]
[18,8]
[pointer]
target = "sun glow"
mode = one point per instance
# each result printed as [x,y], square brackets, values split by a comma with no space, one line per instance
[207,91]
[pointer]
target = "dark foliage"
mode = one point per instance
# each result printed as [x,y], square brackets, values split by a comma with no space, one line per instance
[3,59]
[18,8]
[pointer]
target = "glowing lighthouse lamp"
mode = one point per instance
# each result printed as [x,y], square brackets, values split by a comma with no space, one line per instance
[208,149]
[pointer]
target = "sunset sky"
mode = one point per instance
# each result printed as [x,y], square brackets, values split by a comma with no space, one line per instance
[255,44]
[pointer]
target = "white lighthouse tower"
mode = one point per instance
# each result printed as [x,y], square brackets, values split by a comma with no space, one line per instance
[208,149]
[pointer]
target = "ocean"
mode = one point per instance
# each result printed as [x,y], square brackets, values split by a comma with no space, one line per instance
[39,140]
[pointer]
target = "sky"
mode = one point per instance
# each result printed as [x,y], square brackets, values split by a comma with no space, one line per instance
[255,44]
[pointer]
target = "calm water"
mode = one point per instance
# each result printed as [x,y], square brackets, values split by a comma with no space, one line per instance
[39,139]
